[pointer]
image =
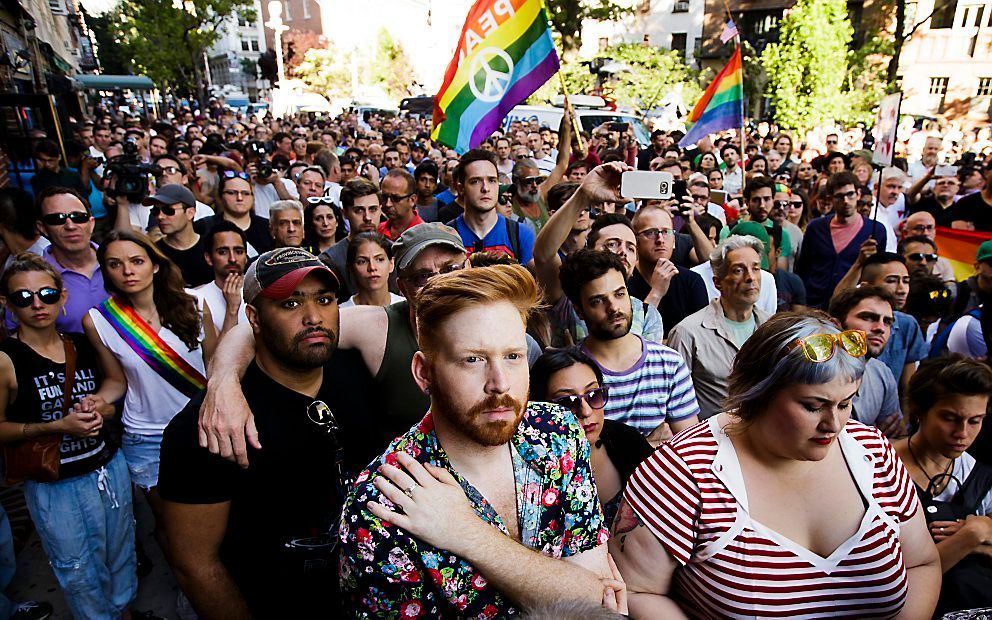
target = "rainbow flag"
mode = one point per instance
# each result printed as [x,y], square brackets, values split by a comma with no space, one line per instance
[960,247]
[504,54]
[722,105]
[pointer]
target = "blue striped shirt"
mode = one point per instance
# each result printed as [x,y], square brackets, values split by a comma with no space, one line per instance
[656,388]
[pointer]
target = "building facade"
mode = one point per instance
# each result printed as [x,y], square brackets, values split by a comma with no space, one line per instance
[42,42]
[233,58]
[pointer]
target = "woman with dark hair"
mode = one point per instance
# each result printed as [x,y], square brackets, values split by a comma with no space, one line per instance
[758,163]
[705,162]
[781,505]
[323,224]
[370,261]
[570,378]
[152,331]
[83,516]
[798,211]
[947,400]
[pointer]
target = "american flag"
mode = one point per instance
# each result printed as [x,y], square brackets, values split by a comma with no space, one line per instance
[729,31]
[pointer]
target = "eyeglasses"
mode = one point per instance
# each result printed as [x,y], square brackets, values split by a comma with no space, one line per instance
[320,414]
[238,192]
[653,233]
[918,257]
[821,347]
[58,219]
[394,198]
[420,279]
[941,294]
[845,195]
[595,398]
[231,174]
[320,200]
[923,228]
[167,170]
[21,298]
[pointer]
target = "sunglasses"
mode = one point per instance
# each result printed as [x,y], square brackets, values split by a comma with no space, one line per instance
[782,204]
[167,210]
[231,174]
[394,198]
[919,257]
[845,195]
[320,200]
[58,219]
[531,180]
[941,294]
[320,414]
[821,347]
[22,298]
[595,398]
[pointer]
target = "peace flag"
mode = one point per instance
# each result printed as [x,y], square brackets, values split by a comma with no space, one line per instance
[504,54]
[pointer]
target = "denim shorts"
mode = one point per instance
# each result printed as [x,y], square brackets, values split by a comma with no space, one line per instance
[142,453]
[86,526]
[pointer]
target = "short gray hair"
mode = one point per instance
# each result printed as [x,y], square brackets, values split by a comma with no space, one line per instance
[718,257]
[282,205]
[526,162]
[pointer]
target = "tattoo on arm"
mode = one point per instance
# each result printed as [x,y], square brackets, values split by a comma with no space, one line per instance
[626,520]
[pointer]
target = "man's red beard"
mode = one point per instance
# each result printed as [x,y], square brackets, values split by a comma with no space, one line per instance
[470,423]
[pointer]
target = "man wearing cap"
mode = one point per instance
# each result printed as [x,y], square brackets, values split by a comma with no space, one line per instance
[260,541]
[173,208]
[977,289]
[385,337]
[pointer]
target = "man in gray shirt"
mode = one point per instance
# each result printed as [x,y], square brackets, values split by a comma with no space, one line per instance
[871,310]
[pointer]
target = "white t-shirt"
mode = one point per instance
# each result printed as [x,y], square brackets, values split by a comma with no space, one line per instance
[962,469]
[38,247]
[767,297]
[265,195]
[966,338]
[150,402]
[393,298]
[210,295]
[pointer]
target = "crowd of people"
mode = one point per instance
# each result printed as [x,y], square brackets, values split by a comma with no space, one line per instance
[354,372]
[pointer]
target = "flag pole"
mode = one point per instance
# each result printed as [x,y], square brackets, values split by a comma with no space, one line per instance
[568,106]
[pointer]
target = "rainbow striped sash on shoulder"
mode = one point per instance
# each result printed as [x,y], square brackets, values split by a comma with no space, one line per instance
[150,347]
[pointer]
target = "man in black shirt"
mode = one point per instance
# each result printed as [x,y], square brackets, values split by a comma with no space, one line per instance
[259,541]
[974,210]
[48,158]
[173,209]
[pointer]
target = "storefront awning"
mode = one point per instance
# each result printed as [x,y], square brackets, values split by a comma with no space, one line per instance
[112,82]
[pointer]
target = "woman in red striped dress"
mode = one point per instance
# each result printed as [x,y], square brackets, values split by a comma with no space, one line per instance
[782,506]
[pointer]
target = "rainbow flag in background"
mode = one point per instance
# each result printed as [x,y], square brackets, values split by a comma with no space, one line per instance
[504,54]
[960,247]
[722,105]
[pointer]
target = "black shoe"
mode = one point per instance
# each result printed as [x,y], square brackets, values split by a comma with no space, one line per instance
[32,610]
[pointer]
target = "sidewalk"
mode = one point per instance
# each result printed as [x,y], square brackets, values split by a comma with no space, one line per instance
[156,593]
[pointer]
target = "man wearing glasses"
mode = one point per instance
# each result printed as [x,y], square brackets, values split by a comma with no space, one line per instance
[837,242]
[921,255]
[260,542]
[399,203]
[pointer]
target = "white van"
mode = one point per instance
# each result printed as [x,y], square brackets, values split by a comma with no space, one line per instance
[591,112]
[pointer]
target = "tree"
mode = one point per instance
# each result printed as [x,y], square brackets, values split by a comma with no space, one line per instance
[807,68]
[325,71]
[567,17]
[166,40]
[654,72]
[391,68]
[111,57]
[295,45]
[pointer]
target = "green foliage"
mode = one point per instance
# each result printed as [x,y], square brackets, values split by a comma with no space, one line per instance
[654,73]
[325,71]
[807,68]
[567,16]
[249,67]
[166,40]
[866,80]
[755,79]
[109,51]
[391,68]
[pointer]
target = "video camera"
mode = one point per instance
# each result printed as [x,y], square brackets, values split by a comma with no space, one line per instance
[131,174]
[258,149]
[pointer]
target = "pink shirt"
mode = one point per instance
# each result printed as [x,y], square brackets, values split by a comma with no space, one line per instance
[843,234]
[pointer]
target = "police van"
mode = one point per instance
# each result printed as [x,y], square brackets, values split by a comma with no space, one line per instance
[591,112]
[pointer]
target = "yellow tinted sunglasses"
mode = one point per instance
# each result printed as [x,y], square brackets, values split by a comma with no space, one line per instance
[821,347]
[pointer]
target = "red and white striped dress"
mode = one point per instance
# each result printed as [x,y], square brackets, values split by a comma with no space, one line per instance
[690,493]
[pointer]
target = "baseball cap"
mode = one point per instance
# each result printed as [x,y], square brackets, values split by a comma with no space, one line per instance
[276,273]
[417,238]
[758,231]
[171,194]
[984,252]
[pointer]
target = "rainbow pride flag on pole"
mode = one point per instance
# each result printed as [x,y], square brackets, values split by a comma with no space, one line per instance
[960,247]
[504,54]
[722,105]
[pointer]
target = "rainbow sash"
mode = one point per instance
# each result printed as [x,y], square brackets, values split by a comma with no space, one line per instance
[150,347]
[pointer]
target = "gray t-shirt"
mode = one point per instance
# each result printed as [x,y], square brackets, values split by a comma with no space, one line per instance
[878,396]
[338,255]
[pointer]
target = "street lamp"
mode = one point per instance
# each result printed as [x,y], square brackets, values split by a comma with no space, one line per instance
[278,27]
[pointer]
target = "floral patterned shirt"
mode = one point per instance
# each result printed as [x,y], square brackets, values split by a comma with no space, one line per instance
[385,573]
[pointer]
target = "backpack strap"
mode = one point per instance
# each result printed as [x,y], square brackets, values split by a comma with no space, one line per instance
[975,488]
[513,235]
[985,319]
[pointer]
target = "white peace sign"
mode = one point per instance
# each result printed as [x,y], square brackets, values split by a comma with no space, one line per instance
[496,82]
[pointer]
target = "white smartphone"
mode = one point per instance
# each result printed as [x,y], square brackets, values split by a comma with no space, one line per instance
[946,171]
[646,184]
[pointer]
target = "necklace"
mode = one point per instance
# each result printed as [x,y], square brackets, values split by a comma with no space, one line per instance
[943,478]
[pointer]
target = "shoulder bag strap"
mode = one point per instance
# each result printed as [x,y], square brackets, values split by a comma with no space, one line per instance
[70,374]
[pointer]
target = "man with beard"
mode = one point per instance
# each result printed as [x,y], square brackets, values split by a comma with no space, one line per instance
[473,460]
[709,340]
[531,187]
[227,255]
[871,309]
[259,541]
[649,383]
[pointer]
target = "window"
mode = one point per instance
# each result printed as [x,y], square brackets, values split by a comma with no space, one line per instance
[57,7]
[679,39]
[287,16]
[306,9]
[254,45]
[938,86]
[242,21]
[972,16]
[681,6]
[984,87]
[245,46]
[697,47]
[943,14]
